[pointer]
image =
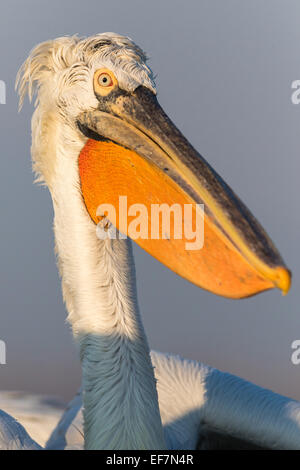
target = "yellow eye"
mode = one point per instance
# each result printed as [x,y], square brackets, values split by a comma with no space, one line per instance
[105,80]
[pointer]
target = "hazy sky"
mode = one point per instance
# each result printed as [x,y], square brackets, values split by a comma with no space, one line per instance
[224,73]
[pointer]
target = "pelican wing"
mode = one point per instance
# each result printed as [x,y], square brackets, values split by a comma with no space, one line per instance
[38,414]
[204,408]
[13,436]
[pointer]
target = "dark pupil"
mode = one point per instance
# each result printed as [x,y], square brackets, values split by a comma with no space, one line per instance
[104,79]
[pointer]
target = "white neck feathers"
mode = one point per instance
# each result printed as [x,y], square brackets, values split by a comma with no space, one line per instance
[98,280]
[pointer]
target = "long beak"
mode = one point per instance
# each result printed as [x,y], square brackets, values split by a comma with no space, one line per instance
[135,150]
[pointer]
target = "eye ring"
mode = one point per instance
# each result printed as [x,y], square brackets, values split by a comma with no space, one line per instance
[105,80]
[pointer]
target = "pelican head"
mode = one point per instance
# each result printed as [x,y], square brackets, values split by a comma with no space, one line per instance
[103,94]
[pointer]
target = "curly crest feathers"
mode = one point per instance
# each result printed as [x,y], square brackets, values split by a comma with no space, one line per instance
[57,55]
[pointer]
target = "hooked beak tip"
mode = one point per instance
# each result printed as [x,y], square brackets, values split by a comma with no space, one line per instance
[283,279]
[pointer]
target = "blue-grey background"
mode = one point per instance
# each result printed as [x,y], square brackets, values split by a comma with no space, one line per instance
[224,71]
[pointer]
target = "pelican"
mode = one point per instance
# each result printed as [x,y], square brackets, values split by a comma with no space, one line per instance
[98,132]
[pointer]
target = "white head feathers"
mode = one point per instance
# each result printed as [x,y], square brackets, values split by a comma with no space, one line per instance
[58,67]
